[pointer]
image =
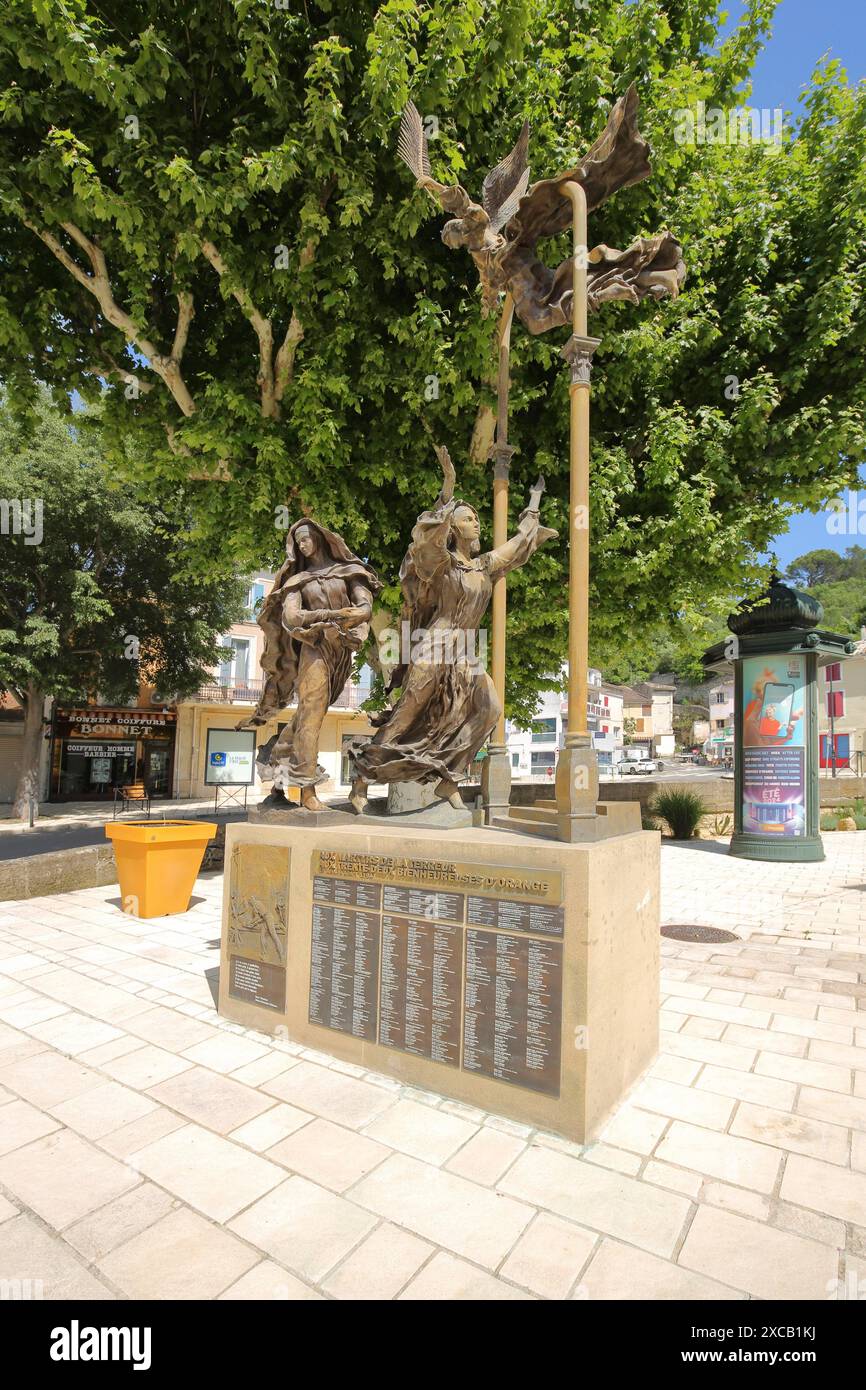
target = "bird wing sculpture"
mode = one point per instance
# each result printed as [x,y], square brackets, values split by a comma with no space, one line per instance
[412,142]
[413,149]
[505,185]
[502,231]
[617,159]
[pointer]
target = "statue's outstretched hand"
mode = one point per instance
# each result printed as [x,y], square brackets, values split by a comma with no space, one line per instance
[449,477]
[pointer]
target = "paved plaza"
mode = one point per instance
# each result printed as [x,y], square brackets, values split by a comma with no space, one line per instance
[149,1149]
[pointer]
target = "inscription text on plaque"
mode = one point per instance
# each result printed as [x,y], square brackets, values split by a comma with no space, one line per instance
[461,964]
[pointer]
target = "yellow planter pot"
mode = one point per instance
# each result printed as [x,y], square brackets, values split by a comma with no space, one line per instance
[158,862]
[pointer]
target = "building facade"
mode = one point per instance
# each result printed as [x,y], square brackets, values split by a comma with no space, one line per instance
[719,744]
[533,751]
[842,712]
[648,717]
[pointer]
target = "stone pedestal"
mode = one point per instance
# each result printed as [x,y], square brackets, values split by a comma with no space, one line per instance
[410,796]
[514,974]
[495,782]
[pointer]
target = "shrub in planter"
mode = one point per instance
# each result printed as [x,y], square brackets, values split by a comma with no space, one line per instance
[682,812]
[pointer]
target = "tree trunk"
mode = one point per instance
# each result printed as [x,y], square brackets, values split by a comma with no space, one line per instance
[31,754]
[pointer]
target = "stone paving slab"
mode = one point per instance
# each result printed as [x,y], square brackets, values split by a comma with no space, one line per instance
[150,1149]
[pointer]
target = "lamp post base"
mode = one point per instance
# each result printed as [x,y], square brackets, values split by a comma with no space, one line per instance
[495,782]
[576,789]
[576,816]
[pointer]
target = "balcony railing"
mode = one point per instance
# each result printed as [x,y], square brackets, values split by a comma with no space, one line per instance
[249,693]
[594,710]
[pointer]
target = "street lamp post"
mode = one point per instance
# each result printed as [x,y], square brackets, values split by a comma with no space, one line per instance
[577,765]
[496,769]
[501,233]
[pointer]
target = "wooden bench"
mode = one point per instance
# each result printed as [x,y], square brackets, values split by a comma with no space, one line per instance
[135,797]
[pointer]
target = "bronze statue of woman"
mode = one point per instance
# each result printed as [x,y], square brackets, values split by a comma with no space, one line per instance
[448,704]
[314,619]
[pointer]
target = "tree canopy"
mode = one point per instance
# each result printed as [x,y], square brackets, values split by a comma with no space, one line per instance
[838,581]
[91,598]
[201,206]
[104,570]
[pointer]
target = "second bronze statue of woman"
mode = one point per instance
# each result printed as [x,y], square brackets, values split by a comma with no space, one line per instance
[314,620]
[448,704]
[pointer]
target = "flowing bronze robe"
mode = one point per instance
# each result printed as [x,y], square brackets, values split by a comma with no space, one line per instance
[308,664]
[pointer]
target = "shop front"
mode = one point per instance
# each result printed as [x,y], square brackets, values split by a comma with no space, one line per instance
[96,749]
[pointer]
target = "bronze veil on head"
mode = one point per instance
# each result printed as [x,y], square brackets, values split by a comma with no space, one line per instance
[333,545]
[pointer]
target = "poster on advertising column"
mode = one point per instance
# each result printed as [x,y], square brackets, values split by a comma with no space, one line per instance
[774,745]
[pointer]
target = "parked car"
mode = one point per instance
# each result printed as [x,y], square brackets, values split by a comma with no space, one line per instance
[633,765]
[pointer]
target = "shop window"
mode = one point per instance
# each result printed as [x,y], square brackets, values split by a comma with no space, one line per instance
[544,731]
[90,768]
[541,762]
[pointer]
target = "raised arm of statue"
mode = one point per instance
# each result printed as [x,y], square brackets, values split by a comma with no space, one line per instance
[530,534]
[448,475]
[428,552]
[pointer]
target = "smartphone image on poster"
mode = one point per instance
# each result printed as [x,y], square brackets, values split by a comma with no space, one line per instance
[775,710]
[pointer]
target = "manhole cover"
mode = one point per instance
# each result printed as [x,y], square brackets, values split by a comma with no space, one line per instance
[708,934]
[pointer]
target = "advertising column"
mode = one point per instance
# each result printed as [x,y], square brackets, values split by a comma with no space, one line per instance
[775,719]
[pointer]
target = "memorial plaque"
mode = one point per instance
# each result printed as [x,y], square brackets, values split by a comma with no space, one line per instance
[442,875]
[388,961]
[256,982]
[347,891]
[427,958]
[419,1009]
[512,1018]
[258,897]
[344,970]
[416,902]
[510,915]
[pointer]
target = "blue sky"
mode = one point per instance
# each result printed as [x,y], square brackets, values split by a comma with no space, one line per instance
[803,31]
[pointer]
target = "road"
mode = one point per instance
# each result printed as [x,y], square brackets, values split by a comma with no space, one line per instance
[672,772]
[44,839]
[53,834]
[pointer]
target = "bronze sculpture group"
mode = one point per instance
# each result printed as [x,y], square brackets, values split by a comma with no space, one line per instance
[448,704]
[317,616]
[319,609]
